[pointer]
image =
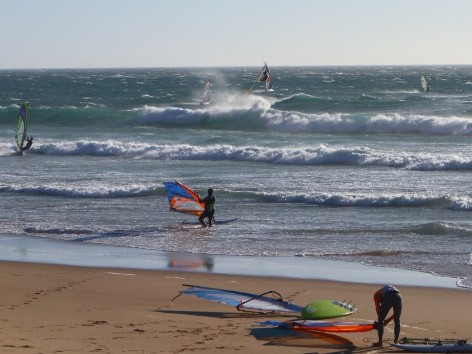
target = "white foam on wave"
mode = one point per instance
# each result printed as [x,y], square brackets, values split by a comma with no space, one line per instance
[7,151]
[316,155]
[461,203]
[364,200]
[354,124]
[224,106]
[235,107]
[80,191]
[172,115]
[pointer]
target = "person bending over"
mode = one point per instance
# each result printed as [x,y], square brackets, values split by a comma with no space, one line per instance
[386,298]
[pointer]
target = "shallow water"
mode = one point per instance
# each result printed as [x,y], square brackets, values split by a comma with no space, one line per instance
[345,164]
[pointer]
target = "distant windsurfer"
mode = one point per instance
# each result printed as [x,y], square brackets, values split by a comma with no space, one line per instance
[206,93]
[268,84]
[209,211]
[29,142]
[386,298]
[263,77]
[424,84]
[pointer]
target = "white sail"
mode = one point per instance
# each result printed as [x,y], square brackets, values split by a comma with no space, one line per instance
[424,83]
[206,93]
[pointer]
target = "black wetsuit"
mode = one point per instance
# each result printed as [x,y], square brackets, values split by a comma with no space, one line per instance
[390,299]
[28,145]
[209,210]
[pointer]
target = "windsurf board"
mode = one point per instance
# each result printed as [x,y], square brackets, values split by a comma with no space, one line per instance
[325,309]
[460,346]
[217,222]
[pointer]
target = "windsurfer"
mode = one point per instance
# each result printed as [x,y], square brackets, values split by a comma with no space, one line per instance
[209,211]
[386,298]
[28,144]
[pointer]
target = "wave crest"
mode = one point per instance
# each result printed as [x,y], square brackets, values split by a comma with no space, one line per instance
[82,191]
[340,200]
[259,115]
[312,156]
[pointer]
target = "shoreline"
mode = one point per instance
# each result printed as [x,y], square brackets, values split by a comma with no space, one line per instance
[115,301]
[47,251]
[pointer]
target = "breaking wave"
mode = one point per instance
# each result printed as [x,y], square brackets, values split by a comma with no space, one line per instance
[82,191]
[321,154]
[341,200]
[261,117]
[441,228]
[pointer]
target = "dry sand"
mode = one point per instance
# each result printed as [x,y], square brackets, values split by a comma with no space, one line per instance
[62,309]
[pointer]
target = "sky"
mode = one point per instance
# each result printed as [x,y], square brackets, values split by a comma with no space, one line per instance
[221,33]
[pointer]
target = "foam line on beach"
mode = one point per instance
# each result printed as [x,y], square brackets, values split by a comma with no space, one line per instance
[28,249]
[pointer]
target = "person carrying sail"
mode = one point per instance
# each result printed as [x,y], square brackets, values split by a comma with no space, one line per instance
[386,298]
[28,144]
[209,211]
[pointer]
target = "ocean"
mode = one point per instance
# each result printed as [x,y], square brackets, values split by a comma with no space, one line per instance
[352,164]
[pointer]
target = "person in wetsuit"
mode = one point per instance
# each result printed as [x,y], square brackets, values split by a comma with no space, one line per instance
[209,211]
[386,298]
[29,142]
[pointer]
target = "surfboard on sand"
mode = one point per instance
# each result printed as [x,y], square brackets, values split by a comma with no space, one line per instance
[325,326]
[326,309]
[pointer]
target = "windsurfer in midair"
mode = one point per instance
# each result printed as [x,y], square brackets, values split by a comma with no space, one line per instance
[209,211]
[28,144]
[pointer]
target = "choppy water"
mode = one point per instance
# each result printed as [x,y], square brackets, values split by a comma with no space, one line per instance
[342,163]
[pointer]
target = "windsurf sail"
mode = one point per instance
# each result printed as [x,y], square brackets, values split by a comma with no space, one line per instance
[22,126]
[263,77]
[325,326]
[182,199]
[206,93]
[424,83]
[270,301]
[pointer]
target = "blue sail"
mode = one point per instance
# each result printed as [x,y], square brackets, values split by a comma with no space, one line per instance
[182,199]
[243,301]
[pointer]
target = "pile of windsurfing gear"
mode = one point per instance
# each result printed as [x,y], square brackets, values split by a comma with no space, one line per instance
[311,317]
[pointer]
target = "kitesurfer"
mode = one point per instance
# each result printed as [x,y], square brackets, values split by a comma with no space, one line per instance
[209,211]
[386,298]
[28,144]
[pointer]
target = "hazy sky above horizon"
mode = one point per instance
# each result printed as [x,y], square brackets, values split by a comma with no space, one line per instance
[175,33]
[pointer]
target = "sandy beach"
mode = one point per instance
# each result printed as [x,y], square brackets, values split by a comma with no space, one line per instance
[54,308]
